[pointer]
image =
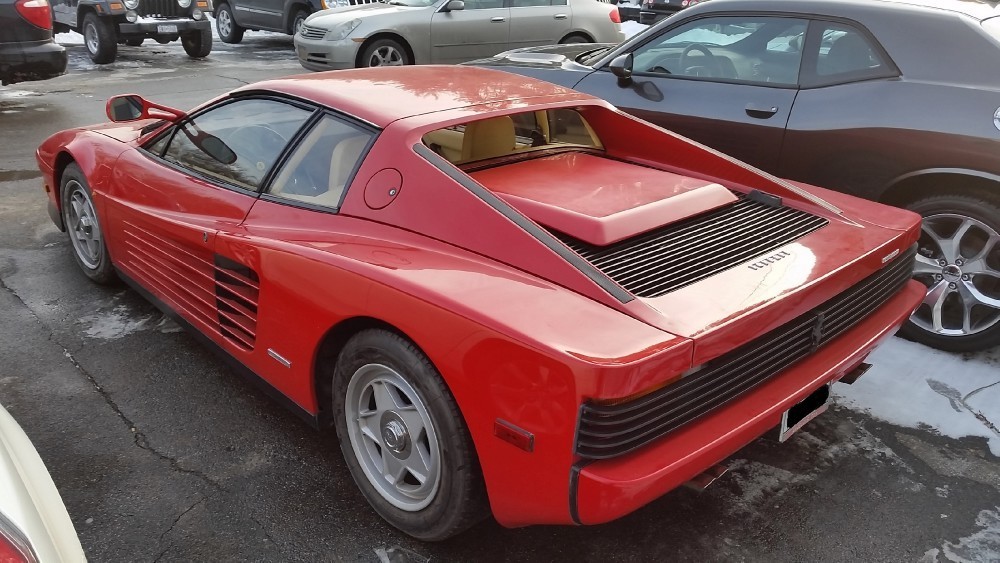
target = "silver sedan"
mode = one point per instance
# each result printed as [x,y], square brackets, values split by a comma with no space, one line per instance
[447,31]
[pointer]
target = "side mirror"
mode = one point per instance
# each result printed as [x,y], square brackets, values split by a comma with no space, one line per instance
[621,66]
[132,107]
[454,5]
[125,108]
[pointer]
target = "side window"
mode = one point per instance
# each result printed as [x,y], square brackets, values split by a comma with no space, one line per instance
[845,54]
[237,142]
[529,3]
[483,4]
[322,165]
[748,49]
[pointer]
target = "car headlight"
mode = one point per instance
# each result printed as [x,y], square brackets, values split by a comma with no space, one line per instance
[183,3]
[131,16]
[341,31]
[131,4]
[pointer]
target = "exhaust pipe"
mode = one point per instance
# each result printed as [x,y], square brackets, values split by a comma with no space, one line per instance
[702,481]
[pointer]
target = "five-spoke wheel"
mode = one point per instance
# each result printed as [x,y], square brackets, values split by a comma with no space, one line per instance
[404,438]
[83,226]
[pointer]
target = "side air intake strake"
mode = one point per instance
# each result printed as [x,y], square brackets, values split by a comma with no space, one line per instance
[237,290]
[609,430]
[680,254]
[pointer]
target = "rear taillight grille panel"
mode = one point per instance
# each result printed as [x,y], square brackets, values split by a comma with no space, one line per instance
[610,430]
[666,259]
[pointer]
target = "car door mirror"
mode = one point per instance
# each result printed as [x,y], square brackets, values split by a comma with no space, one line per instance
[125,108]
[621,66]
[454,5]
[132,107]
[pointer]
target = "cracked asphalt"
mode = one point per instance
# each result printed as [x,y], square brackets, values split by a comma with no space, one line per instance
[161,453]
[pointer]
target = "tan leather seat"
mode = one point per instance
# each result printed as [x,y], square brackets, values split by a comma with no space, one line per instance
[488,138]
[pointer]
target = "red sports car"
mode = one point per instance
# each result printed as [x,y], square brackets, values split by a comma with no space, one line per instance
[503,294]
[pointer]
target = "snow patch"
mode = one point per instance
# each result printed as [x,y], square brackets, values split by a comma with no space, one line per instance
[113,324]
[917,387]
[631,28]
[983,545]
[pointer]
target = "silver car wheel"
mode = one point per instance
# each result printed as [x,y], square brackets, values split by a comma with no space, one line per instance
[82,225]
[386,55]
[225,23]
[90,37]
[959,264]
[393,437]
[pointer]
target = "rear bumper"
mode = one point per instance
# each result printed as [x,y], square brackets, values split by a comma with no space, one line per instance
[602,491]
[36,60]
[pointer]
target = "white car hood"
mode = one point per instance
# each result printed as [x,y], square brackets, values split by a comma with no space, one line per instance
[29,499]
[327,19]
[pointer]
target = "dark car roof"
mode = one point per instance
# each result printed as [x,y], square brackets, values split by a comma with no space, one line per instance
[977,9]
[382,95]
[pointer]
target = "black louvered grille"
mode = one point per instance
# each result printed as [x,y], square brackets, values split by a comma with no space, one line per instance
[666,259]
[609,430]
[161,8]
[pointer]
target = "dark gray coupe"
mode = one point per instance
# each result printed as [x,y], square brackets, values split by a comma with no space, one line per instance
[893,100]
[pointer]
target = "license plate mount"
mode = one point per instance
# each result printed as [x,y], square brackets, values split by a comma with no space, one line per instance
[799,415]
[166,28]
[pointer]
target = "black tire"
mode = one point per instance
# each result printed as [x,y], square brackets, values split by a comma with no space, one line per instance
[298,18]
[953,279]
[225,24]
[136,42]
[82,225]
[576,38]
[197,44]
[385,52]
[458,499]
[99,39]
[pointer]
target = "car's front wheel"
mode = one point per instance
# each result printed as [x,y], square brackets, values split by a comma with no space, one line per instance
[83,226]
[197,44]
[225,24]
[385,52]
[959,262]
[99,38]
[404,439]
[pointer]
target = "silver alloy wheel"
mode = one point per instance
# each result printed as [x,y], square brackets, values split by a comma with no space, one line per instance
[82,226]
[959,263]
[225,23]
[90,37]
[393,437]
[386,55]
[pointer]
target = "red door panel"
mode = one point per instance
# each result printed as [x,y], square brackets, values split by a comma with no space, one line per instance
[162,228]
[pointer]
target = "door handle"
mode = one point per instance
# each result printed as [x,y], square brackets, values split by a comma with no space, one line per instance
[559,16]
[498,19]
[761,112]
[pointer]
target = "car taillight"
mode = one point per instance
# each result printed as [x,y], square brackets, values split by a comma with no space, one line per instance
[35,11]
[14,547]
[614,16]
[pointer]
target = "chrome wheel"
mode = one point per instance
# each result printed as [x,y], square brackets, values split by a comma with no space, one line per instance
[959,262]
[386,55]
[91,38]
[393,437]
[225,23]
[81,222]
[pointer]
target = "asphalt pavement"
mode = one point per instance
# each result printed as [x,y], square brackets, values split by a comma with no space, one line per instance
[162,453]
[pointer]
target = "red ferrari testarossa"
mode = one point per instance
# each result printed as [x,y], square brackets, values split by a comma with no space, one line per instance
[504,295]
